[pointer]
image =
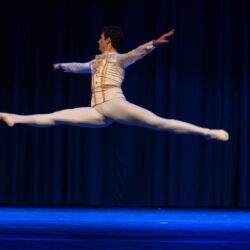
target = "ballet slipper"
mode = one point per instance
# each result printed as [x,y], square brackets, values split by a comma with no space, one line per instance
[7,119]
[218,134]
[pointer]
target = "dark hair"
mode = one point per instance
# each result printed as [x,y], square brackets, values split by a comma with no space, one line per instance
[115,34]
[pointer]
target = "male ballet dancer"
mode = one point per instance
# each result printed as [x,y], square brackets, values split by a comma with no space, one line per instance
[108,104]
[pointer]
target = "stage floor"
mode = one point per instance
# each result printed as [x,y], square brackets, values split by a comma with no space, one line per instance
[61,228]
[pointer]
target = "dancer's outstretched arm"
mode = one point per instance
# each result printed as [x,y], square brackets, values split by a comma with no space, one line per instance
[74,67]
[136,54]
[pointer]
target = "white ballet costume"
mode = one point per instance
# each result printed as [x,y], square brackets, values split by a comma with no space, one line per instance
[108,104]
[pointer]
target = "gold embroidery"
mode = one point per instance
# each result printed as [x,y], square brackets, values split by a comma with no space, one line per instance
[104,71]
[103,75]
[93,90]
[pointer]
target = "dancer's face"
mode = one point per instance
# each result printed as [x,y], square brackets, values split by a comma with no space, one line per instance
[104,44]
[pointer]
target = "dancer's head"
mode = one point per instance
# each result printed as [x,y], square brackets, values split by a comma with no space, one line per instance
[111,38]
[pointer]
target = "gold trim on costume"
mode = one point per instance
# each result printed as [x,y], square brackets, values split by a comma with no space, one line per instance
[104,71]
[93,90]
[103,75]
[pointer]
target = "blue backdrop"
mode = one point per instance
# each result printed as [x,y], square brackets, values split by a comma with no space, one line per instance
[201,77]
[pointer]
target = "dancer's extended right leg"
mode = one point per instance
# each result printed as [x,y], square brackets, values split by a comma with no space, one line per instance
[84,117]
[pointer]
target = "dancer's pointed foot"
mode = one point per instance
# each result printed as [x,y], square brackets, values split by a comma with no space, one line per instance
[7,119]
[218,134]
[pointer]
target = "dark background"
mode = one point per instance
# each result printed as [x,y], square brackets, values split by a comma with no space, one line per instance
[201,77]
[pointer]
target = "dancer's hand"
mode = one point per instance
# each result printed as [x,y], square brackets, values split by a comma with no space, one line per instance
[162,39]
[57,66]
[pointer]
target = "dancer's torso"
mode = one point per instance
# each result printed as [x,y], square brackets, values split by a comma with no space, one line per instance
[108,71]
[107,77]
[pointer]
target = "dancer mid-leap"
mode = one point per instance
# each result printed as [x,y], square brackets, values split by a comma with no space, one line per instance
[108,103]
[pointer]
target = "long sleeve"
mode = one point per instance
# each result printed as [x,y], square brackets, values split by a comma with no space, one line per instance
[136,54]
[75,67]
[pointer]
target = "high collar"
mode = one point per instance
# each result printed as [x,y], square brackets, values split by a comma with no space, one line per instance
[109,52]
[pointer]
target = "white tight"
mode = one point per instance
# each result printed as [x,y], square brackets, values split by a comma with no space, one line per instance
[115,110]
